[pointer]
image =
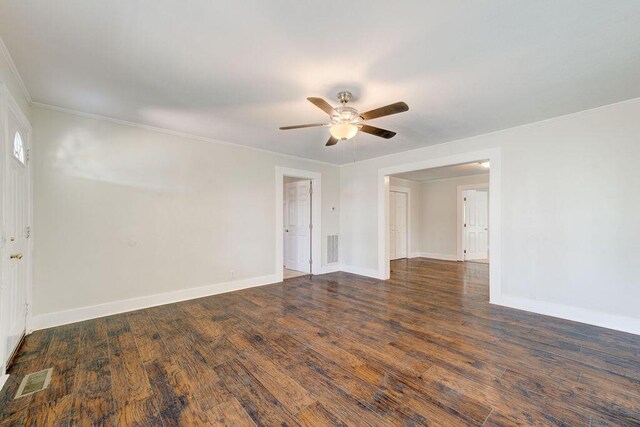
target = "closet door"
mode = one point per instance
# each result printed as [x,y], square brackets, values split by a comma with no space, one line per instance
[392,225]
[401,225]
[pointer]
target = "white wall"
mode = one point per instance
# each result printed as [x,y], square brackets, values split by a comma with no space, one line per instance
[123,212]
[568,187]
[438,215]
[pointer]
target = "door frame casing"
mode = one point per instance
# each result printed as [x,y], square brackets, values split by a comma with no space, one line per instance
[316,215]
[9,104]
[406,191]
[493,155]
[460,216]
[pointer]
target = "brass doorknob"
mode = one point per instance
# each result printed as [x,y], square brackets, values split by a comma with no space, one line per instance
[16,256]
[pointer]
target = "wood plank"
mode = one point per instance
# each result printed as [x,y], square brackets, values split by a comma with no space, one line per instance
[316,415]
[230,413]
[129,380]
[262,406]
[173,393]
[92,399]
[288,392]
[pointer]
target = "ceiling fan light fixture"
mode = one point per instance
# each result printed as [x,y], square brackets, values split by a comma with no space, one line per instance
[346,122]
[344,131]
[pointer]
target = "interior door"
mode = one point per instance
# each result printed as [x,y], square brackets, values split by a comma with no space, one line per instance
[476,224]
[398,206]
[13,294]
[401,225]
[297,231]
[392,225]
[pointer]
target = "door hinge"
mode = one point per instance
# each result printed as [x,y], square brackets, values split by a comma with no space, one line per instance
[465,226]
[27,155]
[465,251]
[465,199]
[27,232]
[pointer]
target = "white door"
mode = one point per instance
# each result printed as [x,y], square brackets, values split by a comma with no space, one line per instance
[13,294]
[398,207]
[392,225]
[297,230]
[476,224]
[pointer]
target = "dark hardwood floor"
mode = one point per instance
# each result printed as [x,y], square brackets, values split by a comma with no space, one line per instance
[422,348]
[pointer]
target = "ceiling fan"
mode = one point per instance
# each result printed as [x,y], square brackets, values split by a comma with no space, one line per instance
[346,121]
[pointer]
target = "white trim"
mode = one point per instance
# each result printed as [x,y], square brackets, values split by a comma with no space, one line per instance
[316,234]
[433,255]
[173,132]
[350,163]
[429,181]
[359,271]
[495,132]
[495,203]
[460,215]
[611,321]
[50,320]
[408,192]
[14,71]
[332,268]
[576,314]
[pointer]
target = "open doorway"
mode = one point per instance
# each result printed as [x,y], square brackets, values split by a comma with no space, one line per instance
[446,203]
[298,222]
[453,215]
[449,210]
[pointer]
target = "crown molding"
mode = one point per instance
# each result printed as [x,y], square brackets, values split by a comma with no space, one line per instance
[495,132]
[173,132]
[14,70]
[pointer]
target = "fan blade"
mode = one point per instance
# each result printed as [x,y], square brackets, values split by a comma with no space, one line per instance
[387,110]
[311,125]
[331,141]
[323,105]
[382,133]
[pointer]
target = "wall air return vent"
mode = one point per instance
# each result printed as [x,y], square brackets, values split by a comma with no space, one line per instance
[332,249]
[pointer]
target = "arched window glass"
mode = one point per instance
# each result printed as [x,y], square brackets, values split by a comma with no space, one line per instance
[18,148]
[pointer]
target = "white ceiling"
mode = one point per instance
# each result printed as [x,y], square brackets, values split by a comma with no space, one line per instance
[445,172]
[237,70]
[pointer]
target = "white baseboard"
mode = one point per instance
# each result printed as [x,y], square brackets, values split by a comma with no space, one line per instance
[49,320]
[360,271]
[332,268]
[576,314]
[433,255]
[42,321]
